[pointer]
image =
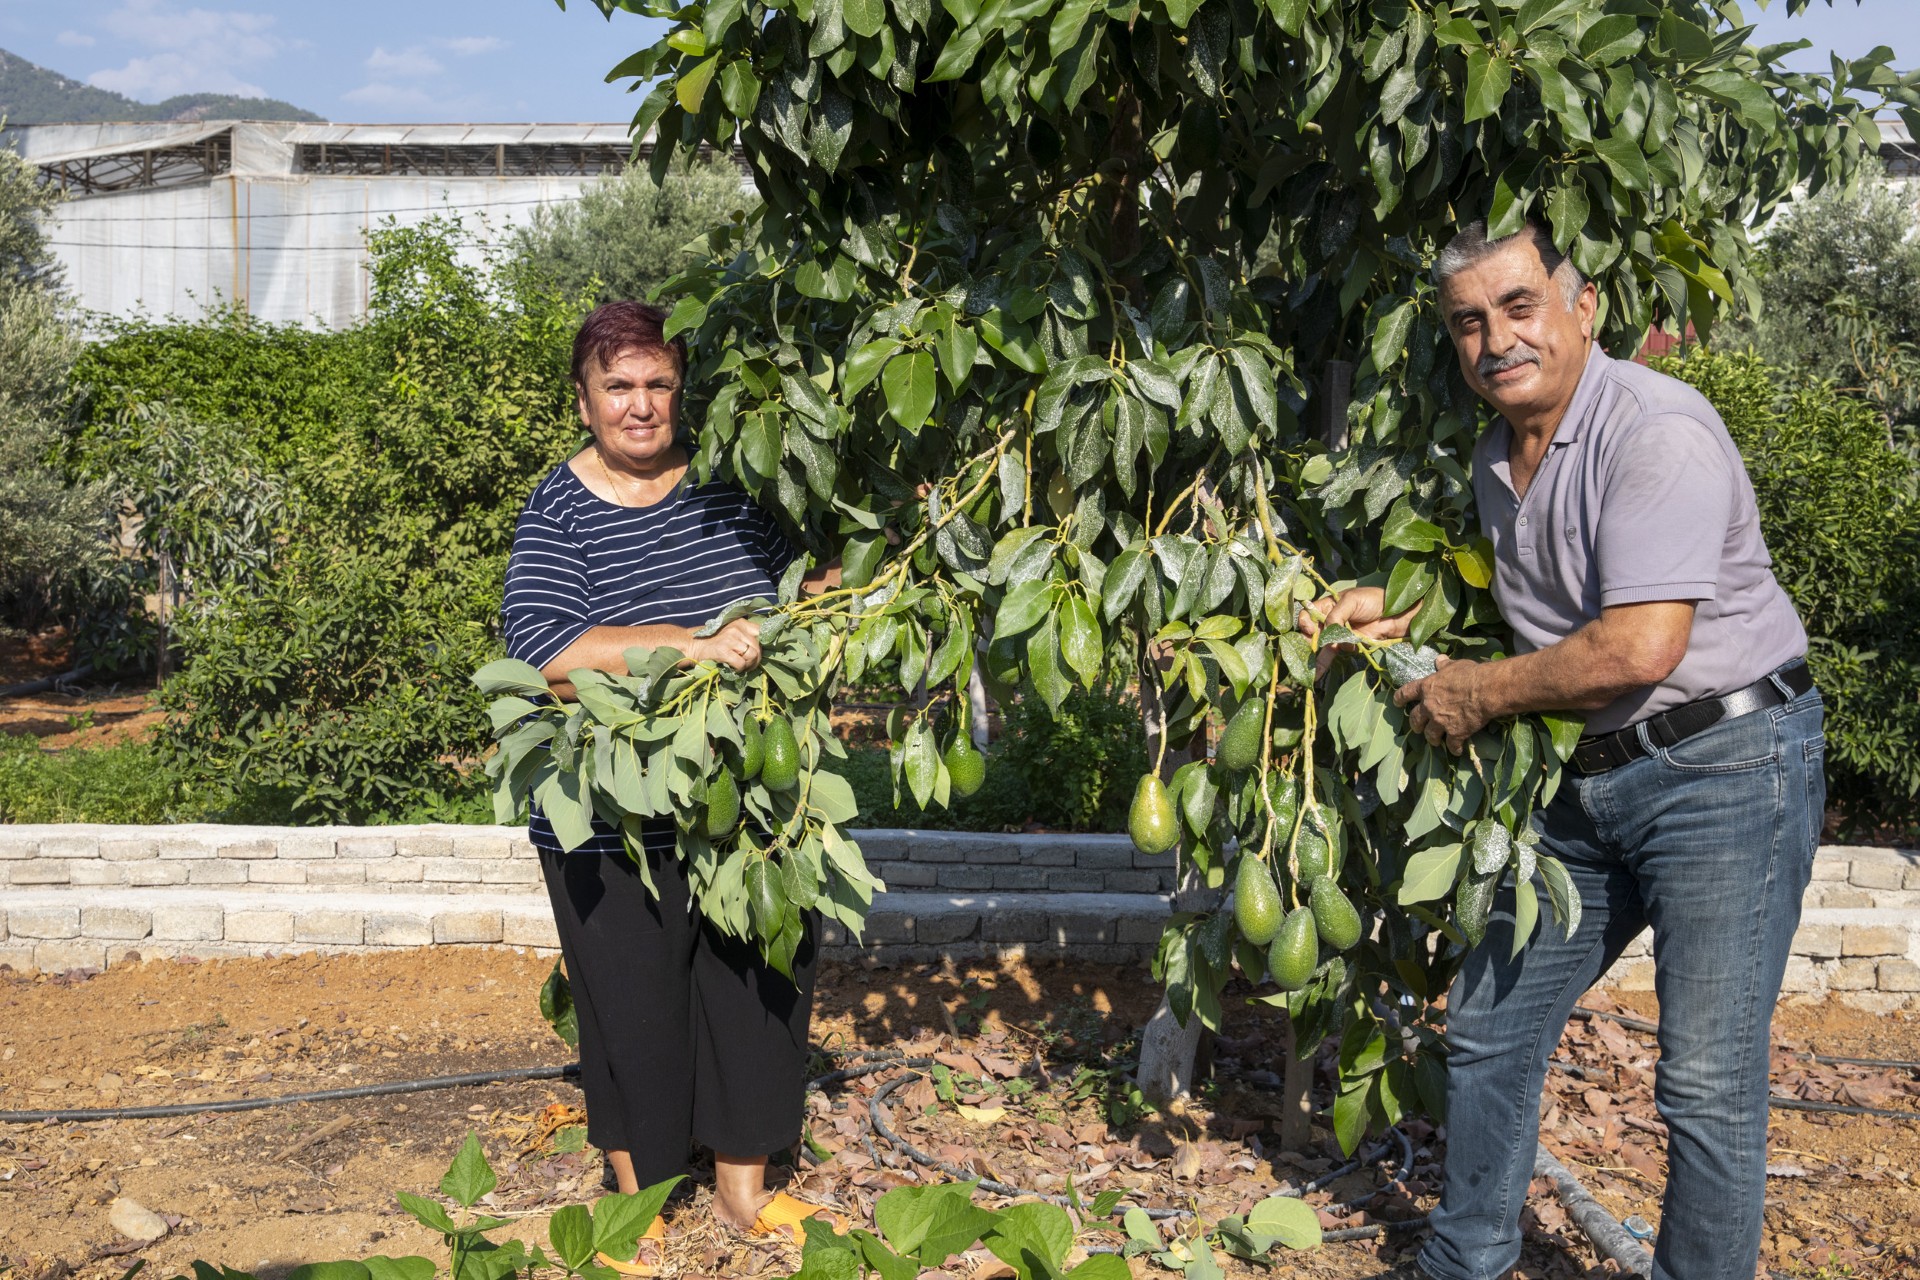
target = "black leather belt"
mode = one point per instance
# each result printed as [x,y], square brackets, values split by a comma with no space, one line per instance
[1604,751]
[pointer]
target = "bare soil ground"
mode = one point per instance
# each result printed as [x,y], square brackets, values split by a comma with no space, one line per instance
[1043,1045]
[92,715]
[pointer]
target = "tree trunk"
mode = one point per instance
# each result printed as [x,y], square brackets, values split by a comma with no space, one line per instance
[1296,1100]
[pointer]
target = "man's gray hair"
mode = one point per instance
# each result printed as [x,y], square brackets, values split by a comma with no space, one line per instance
[1470,245]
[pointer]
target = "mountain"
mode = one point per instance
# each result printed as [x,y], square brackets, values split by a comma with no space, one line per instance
[31,94]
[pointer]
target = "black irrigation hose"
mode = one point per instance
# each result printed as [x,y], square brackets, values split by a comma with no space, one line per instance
[1641,1024]
[1840,1109]
[572,1069]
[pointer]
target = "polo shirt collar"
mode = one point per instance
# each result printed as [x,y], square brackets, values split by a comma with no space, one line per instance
[1579,410]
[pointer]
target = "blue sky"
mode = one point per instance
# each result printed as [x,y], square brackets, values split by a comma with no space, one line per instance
[429,60]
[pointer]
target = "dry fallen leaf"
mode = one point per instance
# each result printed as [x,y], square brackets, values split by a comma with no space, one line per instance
[981,1115]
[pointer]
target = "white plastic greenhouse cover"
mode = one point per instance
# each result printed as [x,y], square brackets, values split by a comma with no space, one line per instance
[289,247]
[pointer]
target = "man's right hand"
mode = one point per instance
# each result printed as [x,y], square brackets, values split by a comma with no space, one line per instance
[1360,609]
[736,645]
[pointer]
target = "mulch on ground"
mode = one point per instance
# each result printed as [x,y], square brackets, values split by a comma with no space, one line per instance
[1025,1087]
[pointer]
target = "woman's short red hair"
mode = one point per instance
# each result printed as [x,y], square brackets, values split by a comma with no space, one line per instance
[614,328]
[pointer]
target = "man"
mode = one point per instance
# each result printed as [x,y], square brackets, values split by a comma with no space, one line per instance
[1629,561]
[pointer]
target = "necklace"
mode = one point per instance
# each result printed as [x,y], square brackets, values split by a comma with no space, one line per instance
[608,477]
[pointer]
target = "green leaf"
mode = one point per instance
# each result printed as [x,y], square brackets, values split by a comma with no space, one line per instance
[330,1271]
[1475,563]
[1350,1114]
[510,675]
[1430,874]
[571,1230]
[1526,914]
[1612,39]
[863,17]
[1022,608]
[1101,1266]
[427,1213]
[1406,584]
[864,365]
[909,385]
[1565,731]
[1626,162]
[469,1176]
[1043,1230]
[1390,335]
[691,87]
[1407,531]
[1287,1219]
[411,1267]
[1562,893]
[920,761]
[1080,641]
[1489,76]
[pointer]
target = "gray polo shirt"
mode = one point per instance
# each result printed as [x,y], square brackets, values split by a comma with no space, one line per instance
[1642,496]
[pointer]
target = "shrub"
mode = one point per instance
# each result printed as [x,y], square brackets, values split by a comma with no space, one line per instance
[626,236]
[336,689]
[55,536]
[1841,512]
[1839,279]
[340,505]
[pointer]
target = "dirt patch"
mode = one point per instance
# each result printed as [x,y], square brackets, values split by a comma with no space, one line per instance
[267,1190]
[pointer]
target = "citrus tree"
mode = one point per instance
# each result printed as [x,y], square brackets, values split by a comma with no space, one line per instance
[1095,337]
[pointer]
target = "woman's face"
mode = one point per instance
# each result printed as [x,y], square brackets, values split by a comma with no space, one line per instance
[632,406]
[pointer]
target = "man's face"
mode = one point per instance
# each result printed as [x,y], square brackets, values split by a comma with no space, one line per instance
[632,406]
[1521,347]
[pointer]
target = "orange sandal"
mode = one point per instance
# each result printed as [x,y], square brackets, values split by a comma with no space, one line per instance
[783,1213]
[657,1234]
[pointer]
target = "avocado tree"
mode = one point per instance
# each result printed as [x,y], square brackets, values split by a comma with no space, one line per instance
[1037,329]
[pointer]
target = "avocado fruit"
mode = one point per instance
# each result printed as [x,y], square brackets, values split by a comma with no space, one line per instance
[1295,953]
[1256,900]
[966,767]
[1150,819]
[780,764]
[1240,741]
[1333,915]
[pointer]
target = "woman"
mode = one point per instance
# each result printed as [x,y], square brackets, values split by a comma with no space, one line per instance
[684,1033]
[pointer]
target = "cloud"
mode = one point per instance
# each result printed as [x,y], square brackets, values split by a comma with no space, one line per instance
[75,39]
[470,46]
[188,50]
[409,63]
[381,94]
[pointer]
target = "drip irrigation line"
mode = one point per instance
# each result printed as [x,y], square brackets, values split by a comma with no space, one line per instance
[1783,1104]
[1841,1109]
[1641,1024]
[86,1114]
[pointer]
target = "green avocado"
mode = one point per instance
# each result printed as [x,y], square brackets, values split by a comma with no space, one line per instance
[1240,740]
[1318,850]
[1333,916]
[1256,901]
[723,805]
[966,767]
[1150,819]
[752,752]
[1295,954]
[780,767]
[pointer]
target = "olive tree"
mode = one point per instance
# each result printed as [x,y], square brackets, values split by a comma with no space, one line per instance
[1095,337]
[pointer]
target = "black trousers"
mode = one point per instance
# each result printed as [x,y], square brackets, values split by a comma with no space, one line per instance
[685,1034]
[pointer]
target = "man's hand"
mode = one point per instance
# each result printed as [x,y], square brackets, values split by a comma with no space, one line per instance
[736,645]
[1446,708]
[1361,610]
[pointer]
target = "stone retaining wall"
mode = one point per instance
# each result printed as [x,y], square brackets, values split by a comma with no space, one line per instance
[77,896]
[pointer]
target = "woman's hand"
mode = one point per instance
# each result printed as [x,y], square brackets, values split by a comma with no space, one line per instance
[736,645]
[1360,609]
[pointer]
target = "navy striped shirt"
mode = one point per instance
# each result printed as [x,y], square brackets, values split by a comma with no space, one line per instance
[580,561]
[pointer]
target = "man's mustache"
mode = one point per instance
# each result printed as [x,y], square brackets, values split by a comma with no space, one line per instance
[1487,366]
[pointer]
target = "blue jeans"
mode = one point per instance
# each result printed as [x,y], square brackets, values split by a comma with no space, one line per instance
[1711,843]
